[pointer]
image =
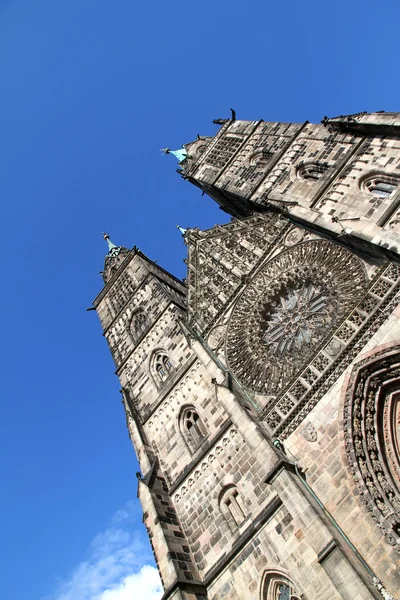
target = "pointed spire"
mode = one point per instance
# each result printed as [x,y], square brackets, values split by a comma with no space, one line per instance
[113,250]
[181,229]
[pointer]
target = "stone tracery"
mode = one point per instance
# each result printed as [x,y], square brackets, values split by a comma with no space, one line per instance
[288,309]
[372,437]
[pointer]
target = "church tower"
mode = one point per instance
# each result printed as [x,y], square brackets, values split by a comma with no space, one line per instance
[263,395]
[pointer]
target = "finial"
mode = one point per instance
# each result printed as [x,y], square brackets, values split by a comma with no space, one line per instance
[181,229]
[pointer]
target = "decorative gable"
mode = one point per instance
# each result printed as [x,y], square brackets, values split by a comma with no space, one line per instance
[219,260]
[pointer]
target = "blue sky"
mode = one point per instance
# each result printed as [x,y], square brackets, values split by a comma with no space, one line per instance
[90,91]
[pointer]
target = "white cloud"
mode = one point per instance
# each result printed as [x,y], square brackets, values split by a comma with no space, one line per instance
[144,585]
[116,567]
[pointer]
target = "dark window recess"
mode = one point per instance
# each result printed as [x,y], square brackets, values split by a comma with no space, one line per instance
[312,171]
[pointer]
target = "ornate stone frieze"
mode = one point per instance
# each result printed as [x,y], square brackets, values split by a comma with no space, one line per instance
[372,437]
[290,307]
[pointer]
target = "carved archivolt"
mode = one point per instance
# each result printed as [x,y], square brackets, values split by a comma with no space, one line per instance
[289,308]
[276,585]
[372,437]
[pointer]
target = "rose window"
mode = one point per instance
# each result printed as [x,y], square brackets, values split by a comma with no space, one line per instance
[296,316]
[289,309]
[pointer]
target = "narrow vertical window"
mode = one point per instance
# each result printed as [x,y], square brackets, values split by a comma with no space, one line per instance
[192,428]
[167,364]
[231,506]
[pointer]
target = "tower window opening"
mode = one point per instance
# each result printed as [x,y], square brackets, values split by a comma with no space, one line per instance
[381,185]
[192,428]
[163,367]
[231,506]
[167,364]
[381,189]
[312,171]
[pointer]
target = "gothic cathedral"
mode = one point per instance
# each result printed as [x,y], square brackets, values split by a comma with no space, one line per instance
[262,394]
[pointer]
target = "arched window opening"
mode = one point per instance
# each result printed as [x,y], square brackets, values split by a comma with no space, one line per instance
[260,158]
[381,185]
[231,506]
[162,366]
[278,587]
[167,363]
[286,592]
[139,325]
[312,171]
[192,428]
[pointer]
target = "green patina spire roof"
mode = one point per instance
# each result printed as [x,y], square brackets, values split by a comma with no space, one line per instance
[180,154]
[113,250]
[181,229]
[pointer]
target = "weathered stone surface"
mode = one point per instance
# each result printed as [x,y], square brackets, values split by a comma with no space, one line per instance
[291,331]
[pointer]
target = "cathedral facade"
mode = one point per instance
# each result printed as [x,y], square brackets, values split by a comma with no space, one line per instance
[262,394]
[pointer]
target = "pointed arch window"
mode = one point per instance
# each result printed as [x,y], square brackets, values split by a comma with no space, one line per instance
[277,586]
[381,185]
[231,506]
[312,171]
[139,325]
[162,367]
[192,428]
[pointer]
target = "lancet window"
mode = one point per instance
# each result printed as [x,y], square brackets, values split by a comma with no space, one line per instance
[162,367]
[231,506]
[192,428]
[278,587]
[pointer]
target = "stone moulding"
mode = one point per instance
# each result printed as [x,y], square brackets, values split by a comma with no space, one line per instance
[296,300]
[372,438]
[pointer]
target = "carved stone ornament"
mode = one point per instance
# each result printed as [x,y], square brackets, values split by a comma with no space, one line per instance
[219,259]
[216,336]
[294,236]
[372,438]
[309,433]
[291,306]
